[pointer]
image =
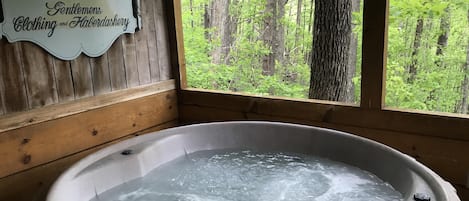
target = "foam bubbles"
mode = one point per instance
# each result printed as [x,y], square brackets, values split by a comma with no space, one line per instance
[251,176]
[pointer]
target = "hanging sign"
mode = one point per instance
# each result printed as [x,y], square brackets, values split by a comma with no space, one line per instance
[67,28]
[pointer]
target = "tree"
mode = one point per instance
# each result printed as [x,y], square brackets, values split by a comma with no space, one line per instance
[331,47]
[273,35]
[442,42]
[412,68]
[224,25]
[352,64]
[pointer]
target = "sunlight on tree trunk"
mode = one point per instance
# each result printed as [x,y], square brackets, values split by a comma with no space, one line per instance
[331,47]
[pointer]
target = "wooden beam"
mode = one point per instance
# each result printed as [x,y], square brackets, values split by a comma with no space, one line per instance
[27,118]
[397,121]
[175,32]
[30,146]
[33,184]
[375,19]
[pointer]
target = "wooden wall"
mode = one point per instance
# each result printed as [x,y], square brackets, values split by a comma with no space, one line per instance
[31,78]
[54,112]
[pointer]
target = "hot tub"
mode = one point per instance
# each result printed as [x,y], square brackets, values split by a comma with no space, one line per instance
[134,158]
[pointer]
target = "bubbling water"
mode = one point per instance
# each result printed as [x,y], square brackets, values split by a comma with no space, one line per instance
[253,176]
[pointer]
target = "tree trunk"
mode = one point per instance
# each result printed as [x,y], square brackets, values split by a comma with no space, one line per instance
[207,23]
[352,65]
[309,53]
[270,24]
[279,39]
[298,25]
[191,5]
[443,37]
[223,23]
[412,68]
[331,45]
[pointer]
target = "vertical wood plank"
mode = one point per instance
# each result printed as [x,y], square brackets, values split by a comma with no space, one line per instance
[39,76]
[130,60]
[81,74]
[150,32]
[116,66]
[142,50]
[14,92]
[64,81]
[2,91]
[2,86]
[176,48]
[100,74]
[375,15]
[162,40]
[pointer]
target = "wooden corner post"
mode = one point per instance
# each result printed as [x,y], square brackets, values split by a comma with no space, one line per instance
[375,19]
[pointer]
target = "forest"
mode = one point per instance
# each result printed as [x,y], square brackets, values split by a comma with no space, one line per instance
[312,49]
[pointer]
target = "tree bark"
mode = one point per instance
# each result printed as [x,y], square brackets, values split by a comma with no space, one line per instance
[279,39]
[270,23]
[273,35]
[443,37]
[207,23]
[412,68]
[191,5]
[352,65]
[299,9]
[222,21]
[331,46]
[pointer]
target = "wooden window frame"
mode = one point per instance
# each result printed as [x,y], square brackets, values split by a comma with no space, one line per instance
[371,113]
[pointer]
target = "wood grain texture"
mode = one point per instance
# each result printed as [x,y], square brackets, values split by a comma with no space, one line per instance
[23,148]
[162,39]
[81,74]
[100,75]
[14,95]
[141,38]
[2,86]
[150,32]
[339,114]
[30,78]
[39,76]
[2,89]
[33,184]
[117,66]
[130,60]
[28,118]
[375,15]
[176,48]
[63,80]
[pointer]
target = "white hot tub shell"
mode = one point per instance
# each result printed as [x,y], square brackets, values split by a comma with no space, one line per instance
[134,158]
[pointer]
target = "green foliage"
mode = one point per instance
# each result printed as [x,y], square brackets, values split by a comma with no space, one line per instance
[243,73]
[439,77]
[437,85]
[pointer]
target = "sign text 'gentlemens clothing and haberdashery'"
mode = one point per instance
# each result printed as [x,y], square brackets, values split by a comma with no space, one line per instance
[67,28]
